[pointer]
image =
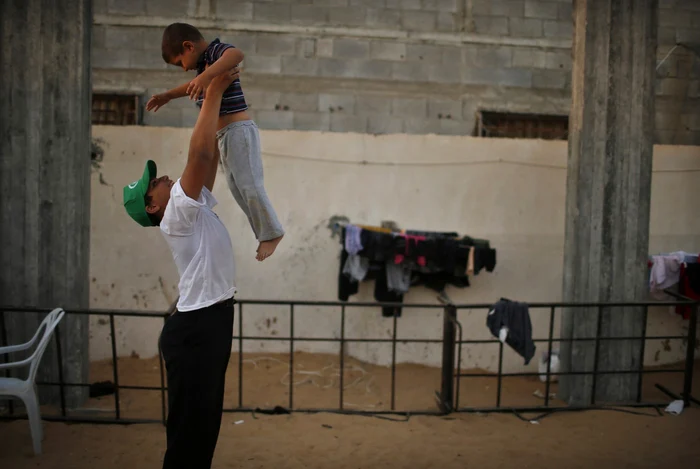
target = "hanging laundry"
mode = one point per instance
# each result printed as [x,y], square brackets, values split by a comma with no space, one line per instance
[689,286]
[398,278]
[353,242]
[665,271]
[356,267]
[512,320]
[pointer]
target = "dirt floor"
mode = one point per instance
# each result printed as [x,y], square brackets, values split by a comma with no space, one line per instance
[575,439]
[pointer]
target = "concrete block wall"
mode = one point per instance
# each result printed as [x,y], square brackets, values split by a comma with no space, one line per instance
[384,66]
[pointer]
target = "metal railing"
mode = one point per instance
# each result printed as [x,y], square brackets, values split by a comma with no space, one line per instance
[452,342]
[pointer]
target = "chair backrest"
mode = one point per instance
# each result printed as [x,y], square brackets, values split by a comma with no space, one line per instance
[49,324]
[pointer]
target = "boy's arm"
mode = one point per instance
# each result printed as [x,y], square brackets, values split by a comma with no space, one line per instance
[159,100]
[229,59]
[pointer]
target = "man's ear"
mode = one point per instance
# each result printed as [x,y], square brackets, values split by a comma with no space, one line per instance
[152,209]
[188,46]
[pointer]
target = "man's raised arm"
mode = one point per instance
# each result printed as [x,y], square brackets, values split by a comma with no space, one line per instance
[203,141]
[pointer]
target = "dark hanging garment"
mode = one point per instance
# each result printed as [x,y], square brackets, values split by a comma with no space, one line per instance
[383,295]
[516,318]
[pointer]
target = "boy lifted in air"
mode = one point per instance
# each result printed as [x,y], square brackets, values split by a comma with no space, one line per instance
[238,137]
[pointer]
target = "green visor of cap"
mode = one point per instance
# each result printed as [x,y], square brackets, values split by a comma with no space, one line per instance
[135,193]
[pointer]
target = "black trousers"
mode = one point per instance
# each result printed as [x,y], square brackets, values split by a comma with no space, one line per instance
[196,347]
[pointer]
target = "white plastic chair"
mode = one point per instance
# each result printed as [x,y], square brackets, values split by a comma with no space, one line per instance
[26,389]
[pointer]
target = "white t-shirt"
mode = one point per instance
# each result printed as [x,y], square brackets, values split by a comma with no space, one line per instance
[201,247]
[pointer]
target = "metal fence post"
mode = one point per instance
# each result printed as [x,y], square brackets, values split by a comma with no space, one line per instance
[690,355]
[448,359]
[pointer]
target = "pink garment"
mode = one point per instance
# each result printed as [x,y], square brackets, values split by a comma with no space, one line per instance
[665,271]
[399,258]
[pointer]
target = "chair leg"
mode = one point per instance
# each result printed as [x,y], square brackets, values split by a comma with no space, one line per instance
[32,404]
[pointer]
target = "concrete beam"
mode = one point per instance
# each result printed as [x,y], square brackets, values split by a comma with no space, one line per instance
[611,132]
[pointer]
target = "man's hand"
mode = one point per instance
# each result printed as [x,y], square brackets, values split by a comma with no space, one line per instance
[220,82]
[157,101]
[198,86]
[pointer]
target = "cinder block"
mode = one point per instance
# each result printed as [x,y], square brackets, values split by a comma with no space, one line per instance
[331,67]
[424,53]
[454,127]
[445,73]
[272,12]
[404,4]
[299,66]
[148,60]
[381,124]
[106,58]
[526,27]
[494,57]
[347,123]
[262,64]
[275,44]
[383,18]
[189,116]
[541,9]
[165,117]
[558,29]
[99,7]
[330,3]
[666,36]
[554,79]
[525,57]
[168,8]
[324,47]
[445,109]
[348,16]
[440,5]
[99,35]
[492,25]
[366,3]
[446,22]
[275,120]
[152,39]
[336,103]
[309,14]
[565,11]
[236,11]
[695,20]
[453,55]
[350,48]
[413,125]
[387,50]
[370,104]
[409,107]
[512,77]
[508,8]
[262,100]
[559,60]
[299,102]
[307,48]
[482,7]
[418,20]
[373,69]
[120,37]
[688,35]
[312,121]
[126,7]
[411,71]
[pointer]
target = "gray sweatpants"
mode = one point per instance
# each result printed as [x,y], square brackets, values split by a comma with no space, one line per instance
[239,147]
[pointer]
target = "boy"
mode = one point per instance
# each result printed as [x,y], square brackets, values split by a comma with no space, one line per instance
[238,137]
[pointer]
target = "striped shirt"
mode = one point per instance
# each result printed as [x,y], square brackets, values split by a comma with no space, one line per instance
[233,99]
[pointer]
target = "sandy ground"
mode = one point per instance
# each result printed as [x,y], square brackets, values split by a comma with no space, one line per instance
[581,439]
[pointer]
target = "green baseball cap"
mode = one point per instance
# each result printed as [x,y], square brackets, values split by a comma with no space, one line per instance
[135,193]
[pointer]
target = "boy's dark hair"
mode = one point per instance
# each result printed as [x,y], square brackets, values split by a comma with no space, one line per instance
[173,37]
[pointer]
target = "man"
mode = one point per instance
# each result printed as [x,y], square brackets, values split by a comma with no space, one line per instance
[196,339]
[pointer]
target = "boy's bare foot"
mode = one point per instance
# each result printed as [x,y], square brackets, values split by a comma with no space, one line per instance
[266,248]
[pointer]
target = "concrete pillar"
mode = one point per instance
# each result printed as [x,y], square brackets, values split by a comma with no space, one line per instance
[45,175]
[611,133]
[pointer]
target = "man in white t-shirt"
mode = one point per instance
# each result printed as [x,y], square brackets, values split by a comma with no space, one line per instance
[196,339]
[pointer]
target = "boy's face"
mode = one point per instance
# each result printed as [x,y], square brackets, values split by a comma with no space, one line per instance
[188,59]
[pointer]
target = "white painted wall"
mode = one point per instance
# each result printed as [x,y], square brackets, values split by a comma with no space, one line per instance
[509,191]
